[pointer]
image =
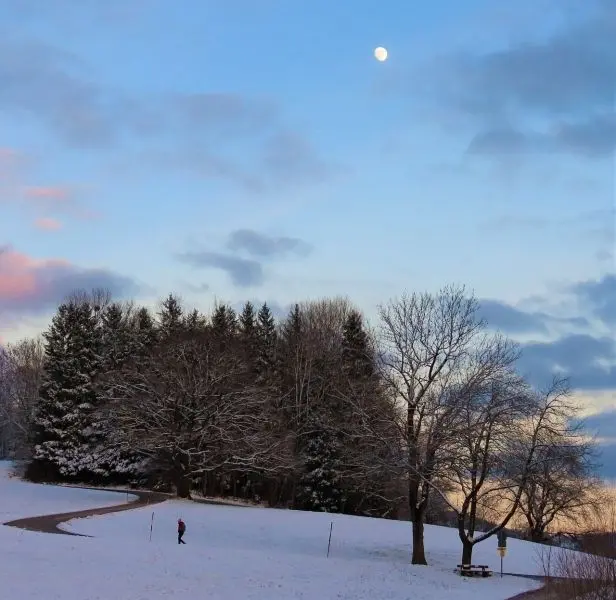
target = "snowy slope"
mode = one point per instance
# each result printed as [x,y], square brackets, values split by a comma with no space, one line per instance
[22,499]
[237,552]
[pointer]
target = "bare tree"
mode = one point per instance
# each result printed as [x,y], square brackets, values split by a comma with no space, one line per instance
[191,407]
[21,370]
[425,340]
[505,430]
[563,486]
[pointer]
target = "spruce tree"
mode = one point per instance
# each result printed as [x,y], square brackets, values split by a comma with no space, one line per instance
[321,484]
[267,341]
[64,433]
[121,341]
[171,316]
[248,337]
[195,321]
[356,353]
[224,325]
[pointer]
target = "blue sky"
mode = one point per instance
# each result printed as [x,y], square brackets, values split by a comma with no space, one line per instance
[256,150]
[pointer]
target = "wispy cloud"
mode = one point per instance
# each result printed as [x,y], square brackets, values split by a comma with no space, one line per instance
[243,272]
[258,248]
[540,95]
[48,224]
[264,246]
[198,132]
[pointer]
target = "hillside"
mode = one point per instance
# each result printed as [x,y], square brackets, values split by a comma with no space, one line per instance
[231,552]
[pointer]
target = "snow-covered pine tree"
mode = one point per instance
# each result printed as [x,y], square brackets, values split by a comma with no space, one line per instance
[63,435]
[121,340]
[321,486]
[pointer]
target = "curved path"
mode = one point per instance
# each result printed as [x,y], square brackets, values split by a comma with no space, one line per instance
[50,523]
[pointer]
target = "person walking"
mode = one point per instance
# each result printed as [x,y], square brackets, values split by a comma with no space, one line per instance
[181,531]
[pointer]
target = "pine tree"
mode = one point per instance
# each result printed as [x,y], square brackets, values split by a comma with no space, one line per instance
[116,336]
[144,329]
[292,327]
[321,484]
[64,433]
[356,353]
[267,341]
[123,337]
[224,325]
[171,316]
[247,322]
[195,321]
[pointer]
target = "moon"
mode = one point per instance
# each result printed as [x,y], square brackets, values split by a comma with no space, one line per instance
[380,54]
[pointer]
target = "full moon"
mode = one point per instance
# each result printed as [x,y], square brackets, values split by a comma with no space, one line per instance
[380,54]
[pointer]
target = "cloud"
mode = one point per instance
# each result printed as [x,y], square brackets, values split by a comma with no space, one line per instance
[510,319]
[291,158]
[214,134]
[242,272]
[29,286]
[514,321]
[540,95]
[263,246]
[571,345]
[48,224]
[599,296]
[44,201]
[247,272]
[58,199]
[589,362]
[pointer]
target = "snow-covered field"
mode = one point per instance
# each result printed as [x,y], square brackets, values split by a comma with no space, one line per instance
[232,552]
[20,499]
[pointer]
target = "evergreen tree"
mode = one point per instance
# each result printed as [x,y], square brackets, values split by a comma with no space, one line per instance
[292,327]
[321,484]
[171,316]
[116,336]
[247,321]
[224,325]
[65,431]
[267,340]
[356,353]
[248,337]
[195,321]
[122,339]
[144,329]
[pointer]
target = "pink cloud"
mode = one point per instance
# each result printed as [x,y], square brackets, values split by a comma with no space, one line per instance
[57,198]
[48,224]
[34,286]
[47,192]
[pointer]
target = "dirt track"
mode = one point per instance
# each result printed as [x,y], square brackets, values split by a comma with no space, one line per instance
[50,523]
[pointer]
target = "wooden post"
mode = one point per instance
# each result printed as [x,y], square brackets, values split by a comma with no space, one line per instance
[331,526]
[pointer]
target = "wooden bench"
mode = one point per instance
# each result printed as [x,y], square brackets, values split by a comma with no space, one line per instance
[473,570]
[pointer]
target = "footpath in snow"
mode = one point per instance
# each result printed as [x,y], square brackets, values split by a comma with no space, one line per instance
[232,553]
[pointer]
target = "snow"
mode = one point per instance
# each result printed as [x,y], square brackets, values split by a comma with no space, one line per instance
[232,552]
[19,499]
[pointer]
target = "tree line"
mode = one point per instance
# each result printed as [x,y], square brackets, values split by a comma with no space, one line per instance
[426,412]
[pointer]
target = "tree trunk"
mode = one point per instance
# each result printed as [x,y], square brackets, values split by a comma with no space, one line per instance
[419,555]
[467,552]
[182,481]
[182,485]
[417,514]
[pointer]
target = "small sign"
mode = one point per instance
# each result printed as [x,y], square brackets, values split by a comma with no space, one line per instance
[502,538]
[502,551]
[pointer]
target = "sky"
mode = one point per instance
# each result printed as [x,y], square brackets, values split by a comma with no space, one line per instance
[245,150]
